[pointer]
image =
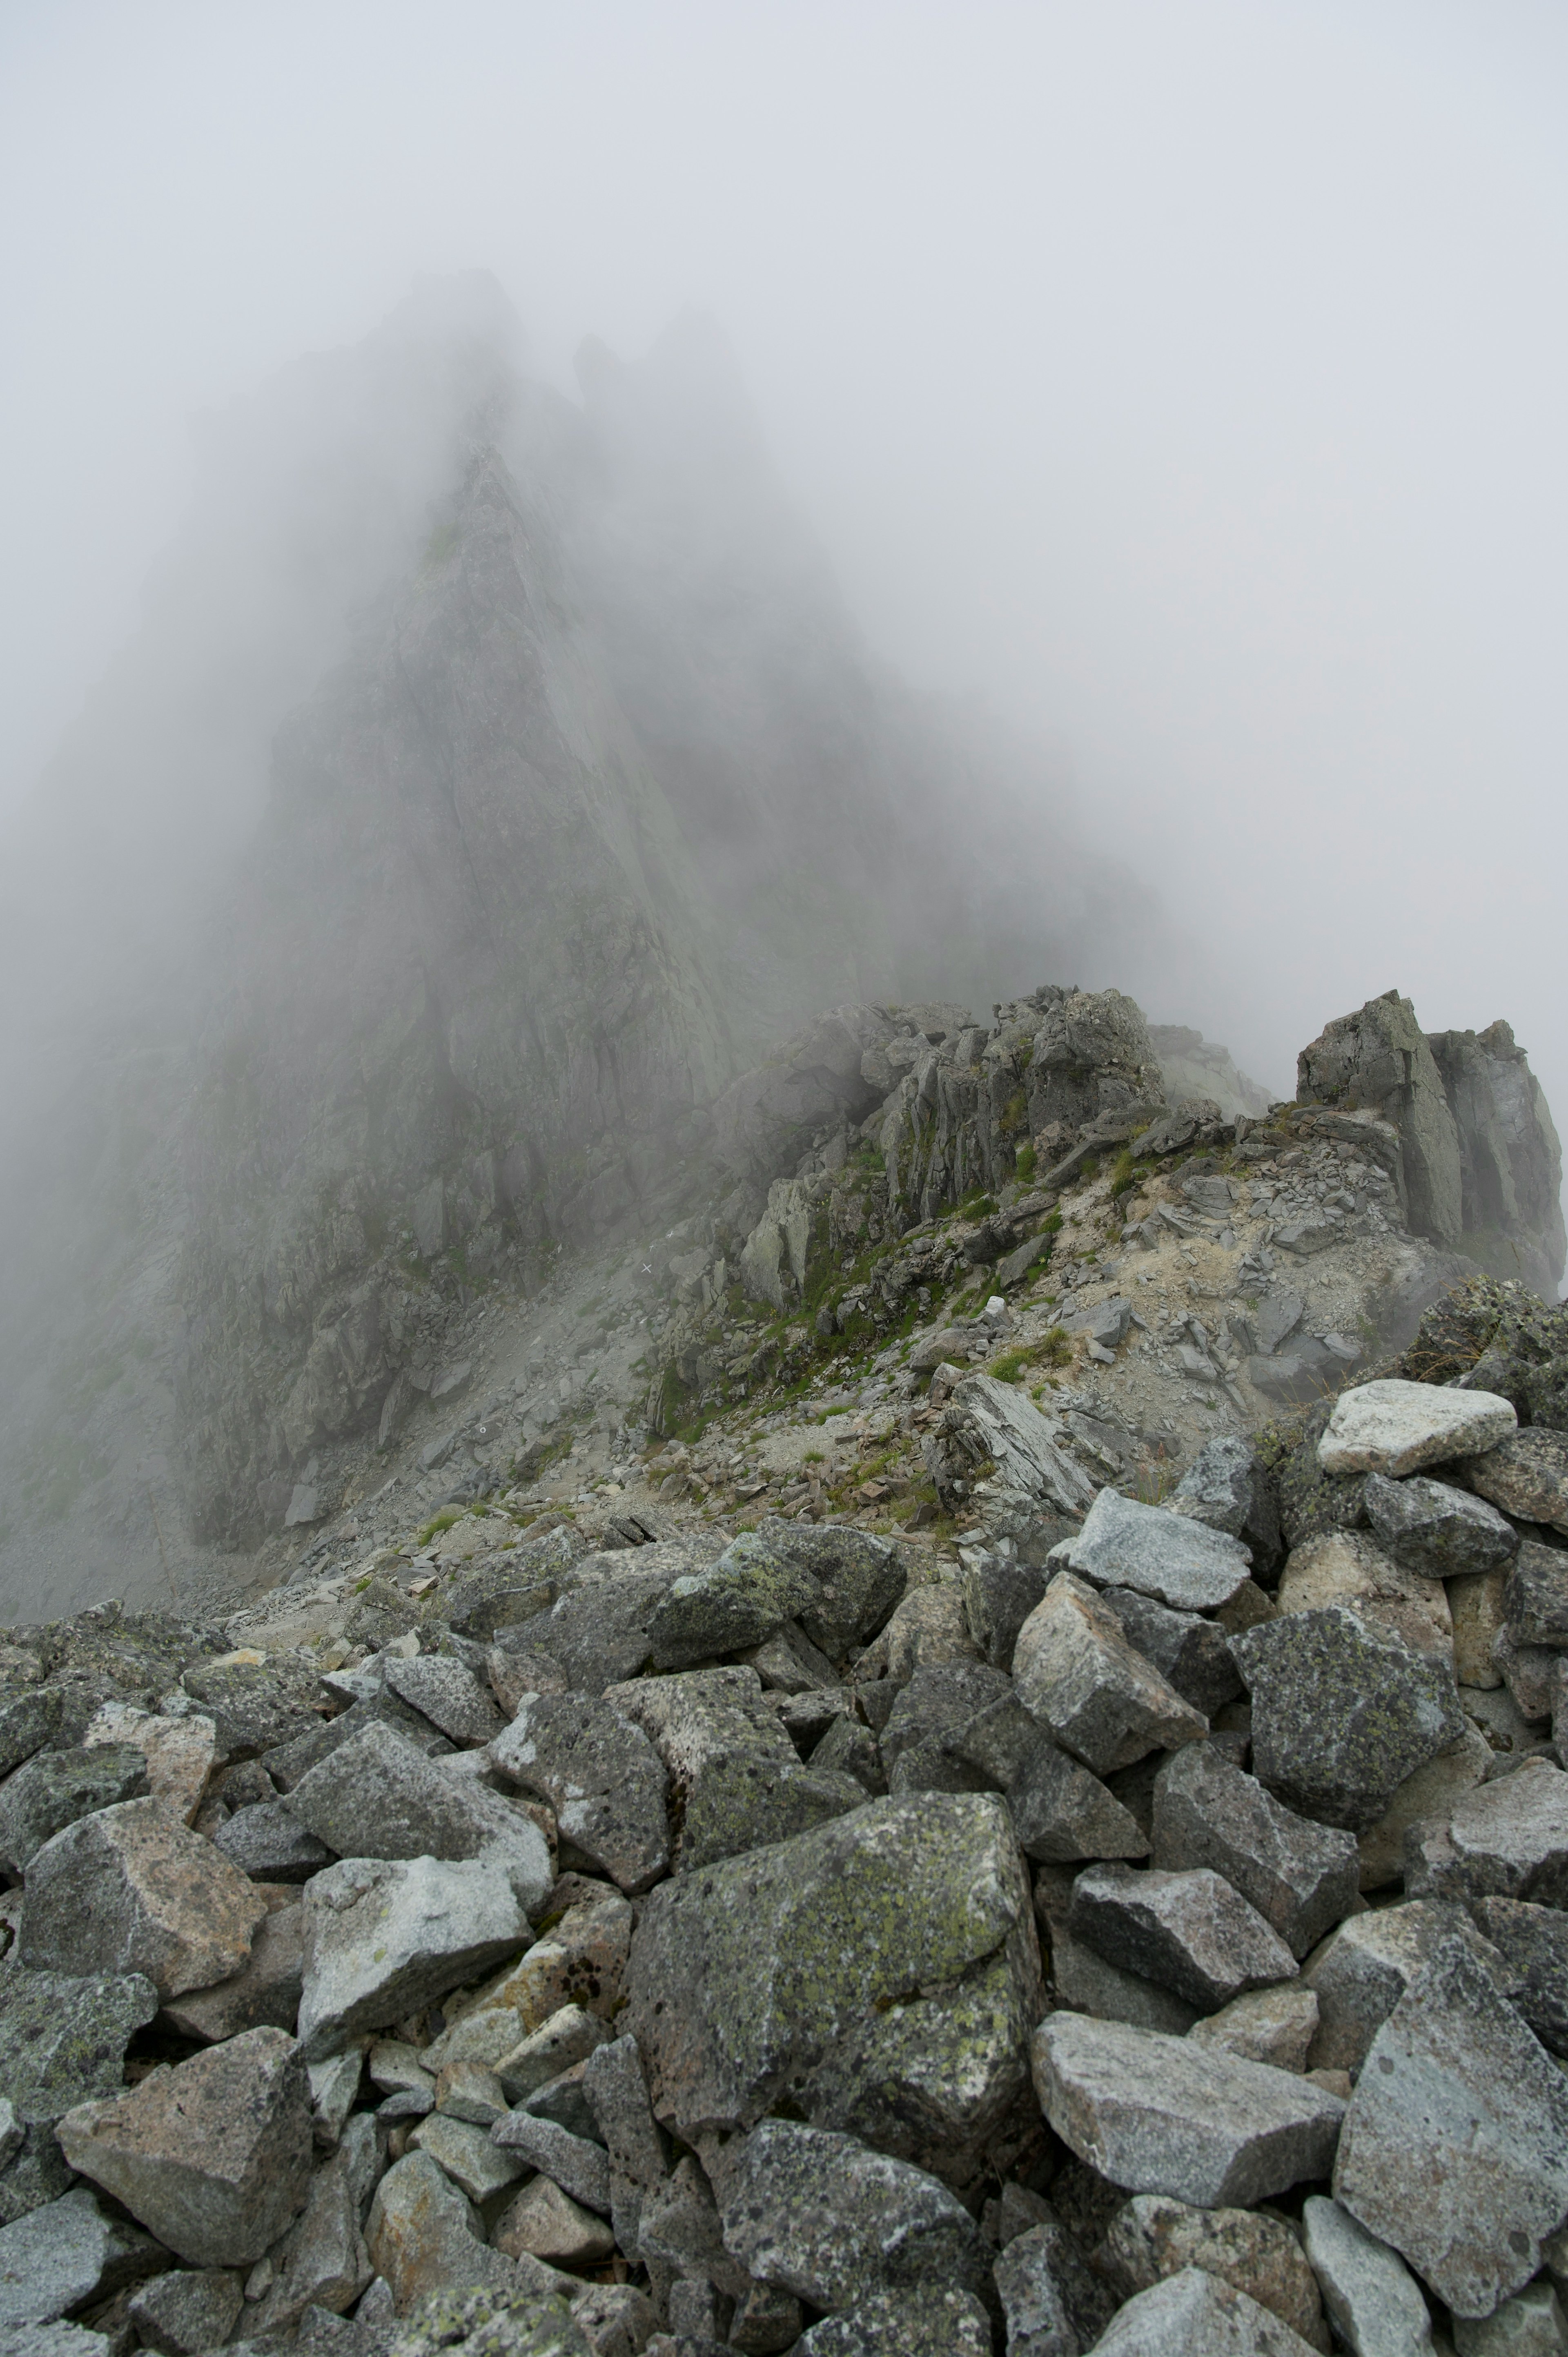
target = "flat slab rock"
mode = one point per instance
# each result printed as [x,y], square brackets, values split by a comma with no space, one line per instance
[1301,1877]
[1396,1427]
[1374,2300]
[1158,2115]
[1188,1930]
[387,1936]
[1178,1561]
[1454,2149]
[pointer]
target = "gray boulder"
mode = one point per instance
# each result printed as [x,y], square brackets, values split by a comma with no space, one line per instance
[1192,1655]
[859,1581]
[28,1718]
[1302,1878]
[63,2036]
[1431,1527]
[1052,2302]
[602,1777]
[1362,1969]
[129,1890]
[599,1630]
[1342,1712]
[1535,1942]
[385,1937]
[1227,1485]
[1187,1931]
[54,1787]
[1192,2314]
[1062,1813]
[66,2254]
[1370,2295]
[1454,2149]
[187,2309]
[1000,1591]
[825,2217]
[423,2238]
[931,2321]
[1076,1672]
[740,1600]
[1525,1474]
[213,2155]
[378,1796]
[268,1843]
[1178,1561]
[255,1705]
[265,1990]
[448,1695]
[1159,2114]
[1509,1839]
[1151,2237]
[1535,1601]
[1396,1427]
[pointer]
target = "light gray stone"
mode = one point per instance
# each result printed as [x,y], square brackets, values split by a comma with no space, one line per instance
[1435,1790]
[1153,2237]
[859,1579]
[54,1787]
[66,2254]
[602,1777]
[423,2236]
[1275,2025]
[1178,1561]
[1076,1672]
[212,2155]
[1302,1878]
[63,2036]
[1454,2149]
[1371,2296]
[740,1600]
[385,1937]
[1158,2115]
[1083,1981]
[449,1695]
[1512,1836]
[1535,1602]
[548,2225]
[1531,2324]
[579,2167]
[377,1796]
[825,2217]
[52,2340]
[187,2309]
[1192,1655]
[1189,1931]
[1360,1971]
[467,2155]
[1431,1527]
[1395,1427]
[1535,1942]
[1525,1474]
[1343,1712]
[1192,2314]
[570,2035]
[580,1960]
[130,1889]
[1034,1466]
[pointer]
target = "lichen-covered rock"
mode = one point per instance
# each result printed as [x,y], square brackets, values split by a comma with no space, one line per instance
[1076,1672]
[384,1937]
[1346,1567]
[1431,1527]
[740,1600]
[1302,1878]
[130,1889]
[859,1581]
[1342,1712]
[1359,1973]
[932,2320]
[449,1695]
[54,1787]
[602,1777]
[213,2155]
[63,2036]
[1174,1558]
[1395,1427]
[508,2320]
[1526,1475]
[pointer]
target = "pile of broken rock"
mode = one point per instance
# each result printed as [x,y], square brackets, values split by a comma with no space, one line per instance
[1144,1944]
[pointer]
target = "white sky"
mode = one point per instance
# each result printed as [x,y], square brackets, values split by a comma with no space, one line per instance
[1188,377]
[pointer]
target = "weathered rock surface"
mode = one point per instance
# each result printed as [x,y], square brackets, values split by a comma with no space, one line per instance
[1076,1672]
[1431,1527]
[1153,2237]
[1535,1598]
[66,2254]
[1533,1941]
[1189,1931]
[990,1423]
[1362,1969]
[1157,2115]
[1394,1427]
[377,1796]
[130,1889]
[1179,1561]
[1526,1474]
[63,2036]
[1345,1567]
[267,1843]
[449,1695]
[927,2322]
[385,1937]
[1275,2025]
[56,1788]
[1373,2301]
[1048,2296]
[187,2309]
[602,1777]
[213,2156]
[1062,1814]
[1194,2314]
[1192,1655]
[423,2236]
[1302,1878]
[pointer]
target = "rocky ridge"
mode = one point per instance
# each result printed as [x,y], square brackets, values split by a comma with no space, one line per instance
[893,1867]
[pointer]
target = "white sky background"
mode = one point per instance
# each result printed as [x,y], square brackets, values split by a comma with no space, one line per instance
[1189,378]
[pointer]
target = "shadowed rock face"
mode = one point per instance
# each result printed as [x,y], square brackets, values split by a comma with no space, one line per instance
[1378,1058]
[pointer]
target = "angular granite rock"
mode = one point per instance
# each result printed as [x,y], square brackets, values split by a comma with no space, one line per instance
[56,1788]
[579,2167]
[1534,1942]
[1189,1932]
[1062,1814]
[1343,1712]
[213,2155]
[1435,1790]
[130,1889]
[1346,1567]
[265,1990]
[180,1752]
[581,1959]
[1394,1427]
[1275,2025]
[1153,2237]
[267,1843]
[1075,1671]
[1049,2297]
[424,2237]
[385,1937]
[63,2036]
[28,1717]
[1158,2115]
[753,1589]
[66,2254]
[1431,1527]
[1178,1561]
[1510,1837]
[377,1796]
[933,2320]
[1526,1475]
[1192,1655]
[1194,2314]
[1535,1604]
[1302,1878]
[1371,2296]
[859,1579]
[449,1695]
[1362,1971]
[1454,2149]
[188,2310]
[825,2217]
[602,1777]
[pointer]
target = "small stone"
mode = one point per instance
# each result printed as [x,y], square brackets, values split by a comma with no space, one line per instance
[579,2167]
[1076,1672]
[450,1697]
[1533,2324]
[187,2311]
[466,2091]
[394,2067]
[334,2086]
[1534,1942]
[66,2254]
[1188,1930]
[1194,2314]
[1373,2300]
[1178,1561]
[265,1990]
[549,2224]
[1153,2237]
[933,2322]
[212,2155]
[130,1889]
[602,1777]
[1526,1475]
[618,2321]
[1454,2147]
[378,1796]
[569,2036]
[386,1937]
[1433,1791]
[36,2173]
[1428,1526]
[422,2235]
[1158,2115]
[825,2217]
[1530,1672]
[1535,1601]
[999,1594]
[268,1844]
[1050,2300]
[1476,1603]
[13,2131]
[467,2156]
[63,2036]
[56,1788]
[180,1753]
[1343,1712]
[1346,1567]
[1082,1981]
[1275,2025]
[1362,1971]
[1395,1427]
[1302,1878]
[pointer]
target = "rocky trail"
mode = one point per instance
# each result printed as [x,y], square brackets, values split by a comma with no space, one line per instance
[927,1761]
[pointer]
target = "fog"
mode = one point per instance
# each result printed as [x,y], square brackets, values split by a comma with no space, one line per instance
[1185,385]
